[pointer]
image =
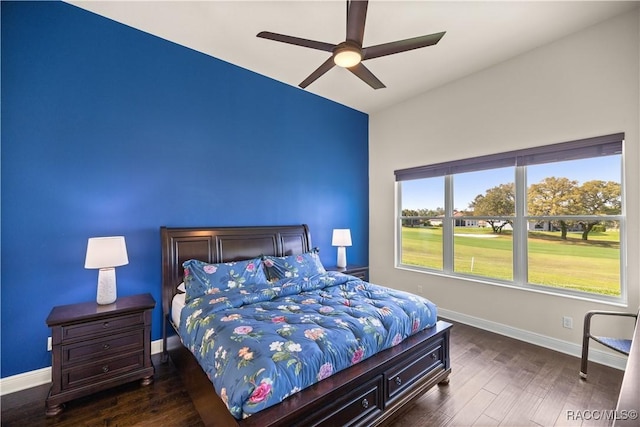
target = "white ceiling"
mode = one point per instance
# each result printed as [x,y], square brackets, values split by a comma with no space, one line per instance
[479,34]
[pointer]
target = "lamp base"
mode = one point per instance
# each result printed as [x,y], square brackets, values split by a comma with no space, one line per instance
[342,257]
[106,286]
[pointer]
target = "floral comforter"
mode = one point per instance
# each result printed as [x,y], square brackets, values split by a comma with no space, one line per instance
[260,344]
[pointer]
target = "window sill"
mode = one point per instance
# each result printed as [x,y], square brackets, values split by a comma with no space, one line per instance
[612,301]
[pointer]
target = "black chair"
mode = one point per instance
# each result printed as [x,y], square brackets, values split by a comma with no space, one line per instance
[620,345]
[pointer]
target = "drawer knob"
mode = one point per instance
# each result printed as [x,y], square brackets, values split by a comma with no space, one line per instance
[398,381]
[106,347]
[434,356]
[365,403]
[105,368]
[105,324]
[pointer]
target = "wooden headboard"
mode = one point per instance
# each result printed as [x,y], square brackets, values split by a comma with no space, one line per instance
[224,244]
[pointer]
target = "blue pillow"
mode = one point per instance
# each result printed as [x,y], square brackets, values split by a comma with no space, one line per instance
[304,265]
[201,278]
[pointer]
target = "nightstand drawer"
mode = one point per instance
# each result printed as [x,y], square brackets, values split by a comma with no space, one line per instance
[102,370]
[360,273]
[102,348]
[104,326]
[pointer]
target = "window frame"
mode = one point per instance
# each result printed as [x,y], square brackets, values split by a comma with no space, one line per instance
[579,149]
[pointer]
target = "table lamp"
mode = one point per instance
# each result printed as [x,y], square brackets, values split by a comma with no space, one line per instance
[341,238]
[105,253]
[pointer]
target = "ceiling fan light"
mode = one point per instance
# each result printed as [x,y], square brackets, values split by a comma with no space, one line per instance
[347,57]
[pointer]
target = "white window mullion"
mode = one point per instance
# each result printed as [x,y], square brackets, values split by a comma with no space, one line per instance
[447,225]
[398,232]
[520,228]
[623,232]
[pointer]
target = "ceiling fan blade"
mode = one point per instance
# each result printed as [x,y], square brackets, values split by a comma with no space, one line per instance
[356,16]
[328,47]
[401,46]
[326,66]
[366,76]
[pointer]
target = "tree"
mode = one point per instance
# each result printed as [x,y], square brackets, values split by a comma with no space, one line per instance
[554,197]
[598,198]
[410,222]
[421,215]
[497,201]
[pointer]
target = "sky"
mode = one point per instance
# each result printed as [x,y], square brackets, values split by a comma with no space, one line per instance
[429,193]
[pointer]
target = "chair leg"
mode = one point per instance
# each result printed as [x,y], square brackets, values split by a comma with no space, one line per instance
[585,346]
[585,357]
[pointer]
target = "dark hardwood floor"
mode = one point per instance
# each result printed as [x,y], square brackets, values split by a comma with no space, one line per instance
[495,381]
[499,381]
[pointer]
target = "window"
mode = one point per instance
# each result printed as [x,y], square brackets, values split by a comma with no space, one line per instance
[484,200]
[548,218]
[421,229]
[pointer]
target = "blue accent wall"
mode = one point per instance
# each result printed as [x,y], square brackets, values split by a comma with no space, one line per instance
[107,130]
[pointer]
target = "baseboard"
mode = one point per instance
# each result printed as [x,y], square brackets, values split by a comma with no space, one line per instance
[43,376]
[25,380]
[595,355]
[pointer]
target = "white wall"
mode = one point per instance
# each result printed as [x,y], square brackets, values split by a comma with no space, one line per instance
[581,86]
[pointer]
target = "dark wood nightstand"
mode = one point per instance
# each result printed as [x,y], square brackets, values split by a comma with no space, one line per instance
[359,271]
[95,347]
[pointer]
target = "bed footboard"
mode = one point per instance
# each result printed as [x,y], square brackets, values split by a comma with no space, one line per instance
[372,393]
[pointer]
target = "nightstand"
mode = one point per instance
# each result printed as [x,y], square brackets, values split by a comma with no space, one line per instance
[95,347]
[359,271]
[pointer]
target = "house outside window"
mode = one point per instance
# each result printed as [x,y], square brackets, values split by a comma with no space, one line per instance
[549,218]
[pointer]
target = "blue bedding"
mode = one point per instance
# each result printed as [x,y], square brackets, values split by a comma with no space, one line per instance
[261,343]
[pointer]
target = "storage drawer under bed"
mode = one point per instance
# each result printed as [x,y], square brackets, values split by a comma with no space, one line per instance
[400,377]
[356,408]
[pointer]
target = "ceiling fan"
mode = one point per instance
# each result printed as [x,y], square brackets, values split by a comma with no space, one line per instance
[349,54]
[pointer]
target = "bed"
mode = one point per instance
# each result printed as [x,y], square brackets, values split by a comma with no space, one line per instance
[370,392]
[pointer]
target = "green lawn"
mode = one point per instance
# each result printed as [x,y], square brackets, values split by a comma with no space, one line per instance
[591,266]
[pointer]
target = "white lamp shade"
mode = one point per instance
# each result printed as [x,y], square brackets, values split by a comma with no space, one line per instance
[104,252]
[341,237]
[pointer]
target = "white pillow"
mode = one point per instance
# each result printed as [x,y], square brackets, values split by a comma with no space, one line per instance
[181,288]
